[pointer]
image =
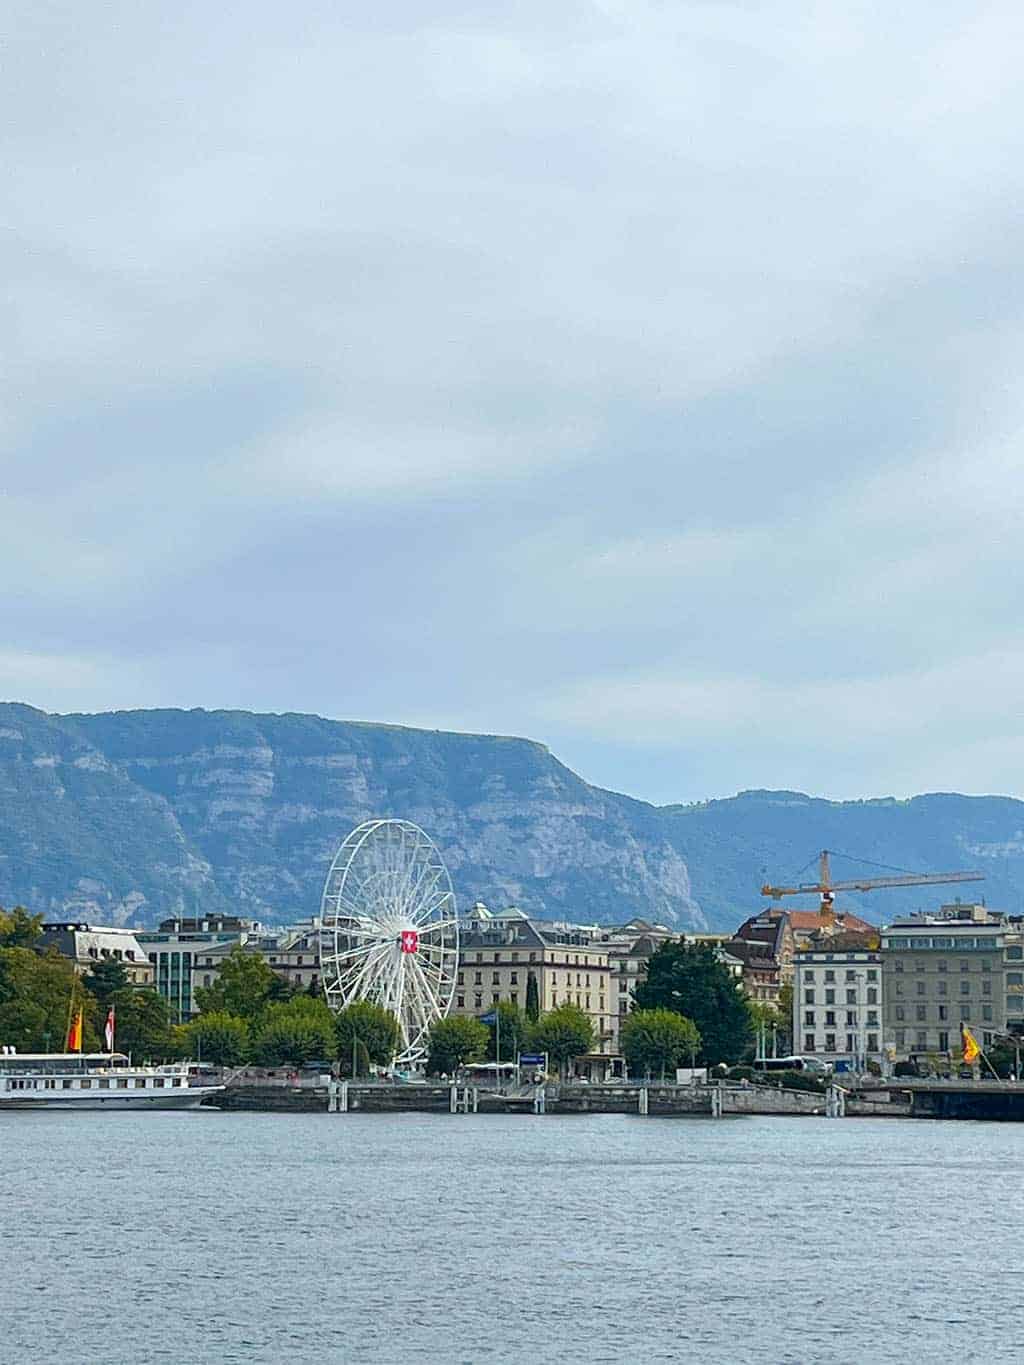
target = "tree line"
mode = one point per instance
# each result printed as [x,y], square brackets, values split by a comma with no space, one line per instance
[686,1011]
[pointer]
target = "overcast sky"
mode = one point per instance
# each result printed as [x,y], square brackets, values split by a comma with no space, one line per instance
[643,378]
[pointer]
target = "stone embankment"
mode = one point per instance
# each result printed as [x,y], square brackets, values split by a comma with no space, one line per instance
[318,1095]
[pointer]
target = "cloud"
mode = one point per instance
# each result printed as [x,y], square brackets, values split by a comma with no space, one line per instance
[913,730]
[525,369]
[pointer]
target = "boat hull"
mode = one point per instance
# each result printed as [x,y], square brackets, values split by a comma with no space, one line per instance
[190,1098]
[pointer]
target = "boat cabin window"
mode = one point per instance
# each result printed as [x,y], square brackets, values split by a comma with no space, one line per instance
[61,1065]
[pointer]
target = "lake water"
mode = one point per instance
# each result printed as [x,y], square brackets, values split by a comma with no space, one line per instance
[260,1237]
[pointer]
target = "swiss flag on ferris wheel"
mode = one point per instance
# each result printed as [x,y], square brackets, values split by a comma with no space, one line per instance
[410,941]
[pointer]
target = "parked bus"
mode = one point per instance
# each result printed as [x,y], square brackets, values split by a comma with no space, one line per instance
[814,1064]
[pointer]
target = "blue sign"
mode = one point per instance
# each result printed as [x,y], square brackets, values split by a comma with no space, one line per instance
[532,1058]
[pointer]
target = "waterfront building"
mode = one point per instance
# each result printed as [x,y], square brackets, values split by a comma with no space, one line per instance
[501,951]
[784,933]
[294,953]
[1013,968]
[187,954]
[760,974]
[768,935]
[838,1000]
[629,948]
[177,946]
[941,971]
[85,945]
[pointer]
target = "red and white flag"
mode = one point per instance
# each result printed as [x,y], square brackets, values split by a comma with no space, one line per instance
[410,941]
[108,1032]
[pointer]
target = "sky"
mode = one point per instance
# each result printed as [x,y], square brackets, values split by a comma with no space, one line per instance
[642,378]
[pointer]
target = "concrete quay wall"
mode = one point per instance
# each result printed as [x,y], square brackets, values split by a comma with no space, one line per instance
[625,1099]
[270,1099]
[764,1099]
[661,1101]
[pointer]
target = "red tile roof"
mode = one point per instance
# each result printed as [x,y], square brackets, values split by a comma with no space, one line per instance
[807,920]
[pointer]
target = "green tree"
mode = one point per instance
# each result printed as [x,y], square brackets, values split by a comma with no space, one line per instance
[216,1037]
[19,929]
[656,1040]
[282,990]
[104,979]
[532,998]
[297,1031]
[689,980]
[786,1041]
[454,1042]
[142,1024]
[766,1024]
[245,986]
[563,1033]
[370,1027]
[36,995]
[511,1031]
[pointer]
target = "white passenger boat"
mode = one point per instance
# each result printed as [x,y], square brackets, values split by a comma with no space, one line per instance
[94,1080]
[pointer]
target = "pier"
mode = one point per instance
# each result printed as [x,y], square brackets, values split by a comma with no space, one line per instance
[325,1095]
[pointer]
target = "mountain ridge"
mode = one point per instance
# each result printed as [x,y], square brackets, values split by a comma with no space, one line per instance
[133,815]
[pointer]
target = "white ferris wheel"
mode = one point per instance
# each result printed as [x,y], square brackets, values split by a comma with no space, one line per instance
[389,932]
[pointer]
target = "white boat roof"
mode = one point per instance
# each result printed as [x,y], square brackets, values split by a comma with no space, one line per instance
[62,1057]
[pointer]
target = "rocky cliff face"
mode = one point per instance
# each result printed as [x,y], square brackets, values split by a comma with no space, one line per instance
[134,815]
[131,816]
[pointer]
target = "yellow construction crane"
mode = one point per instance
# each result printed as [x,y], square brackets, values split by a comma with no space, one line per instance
[826,888]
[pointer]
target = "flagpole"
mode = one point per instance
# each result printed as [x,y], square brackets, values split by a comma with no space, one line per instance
[991,1068]
[71,1006]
